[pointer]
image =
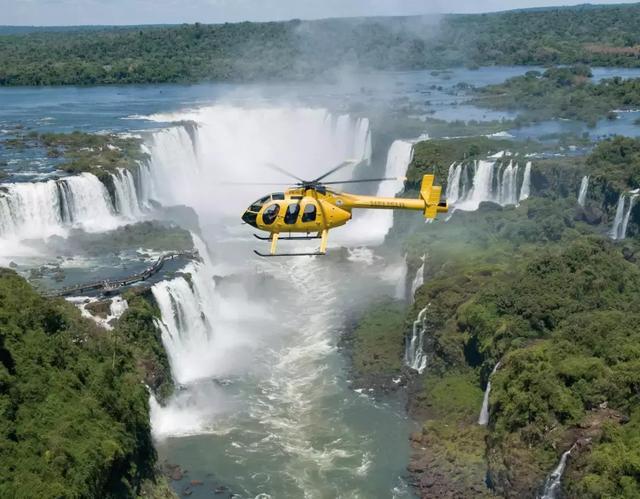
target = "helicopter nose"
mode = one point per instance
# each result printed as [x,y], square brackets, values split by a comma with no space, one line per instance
[250,218]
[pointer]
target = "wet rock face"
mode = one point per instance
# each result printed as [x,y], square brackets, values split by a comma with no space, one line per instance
[438,472]
[590,214]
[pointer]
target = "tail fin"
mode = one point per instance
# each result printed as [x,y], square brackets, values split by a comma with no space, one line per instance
[431,195]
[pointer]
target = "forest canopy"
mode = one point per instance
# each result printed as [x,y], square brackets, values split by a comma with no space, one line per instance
[602,36]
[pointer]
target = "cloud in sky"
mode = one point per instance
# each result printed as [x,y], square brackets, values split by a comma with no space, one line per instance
[73,12]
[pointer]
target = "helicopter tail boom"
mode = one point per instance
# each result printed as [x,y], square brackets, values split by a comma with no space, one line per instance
[428,202]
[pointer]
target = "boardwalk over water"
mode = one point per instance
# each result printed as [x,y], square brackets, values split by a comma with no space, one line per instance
[119,285]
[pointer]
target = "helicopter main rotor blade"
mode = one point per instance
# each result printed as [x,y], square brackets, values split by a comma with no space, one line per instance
[283,171]
[364,180]
[339,167]
[255,183]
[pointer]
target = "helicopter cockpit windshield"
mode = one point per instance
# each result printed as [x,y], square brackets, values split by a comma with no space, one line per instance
[250,216]
[255,207]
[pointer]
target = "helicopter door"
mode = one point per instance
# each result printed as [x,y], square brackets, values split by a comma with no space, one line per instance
[270,213]
[309,213]
[291,215]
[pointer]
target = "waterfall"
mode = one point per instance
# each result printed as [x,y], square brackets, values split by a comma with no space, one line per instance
[414,355]
[418,280]
[126,196]
[616,229]
[483,419]
[582,194]
[508,187]
[553,482]
[490,181]
[526,182]
[482,188]
[371,226]
[186,327]
[627,215]
[144,182]
[453,183]
[235,141]
[42,209]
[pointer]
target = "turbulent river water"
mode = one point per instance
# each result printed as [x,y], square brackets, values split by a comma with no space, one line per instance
[264,404]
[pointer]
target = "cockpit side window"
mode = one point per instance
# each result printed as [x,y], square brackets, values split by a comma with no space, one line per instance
[270,213]
[278,195]
[259,203]
[291,215]
[309,213]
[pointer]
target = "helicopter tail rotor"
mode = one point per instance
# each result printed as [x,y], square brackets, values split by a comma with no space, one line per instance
[430,194]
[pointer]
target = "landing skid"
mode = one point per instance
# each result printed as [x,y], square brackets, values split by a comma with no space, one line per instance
[290,238]
[276,236]
[269,255]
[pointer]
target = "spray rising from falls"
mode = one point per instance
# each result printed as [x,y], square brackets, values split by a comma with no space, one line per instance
[483,419]
[621,220]
[371,226]
[582,194]
[553,484]
[469,184]
[414,354]
[232,143]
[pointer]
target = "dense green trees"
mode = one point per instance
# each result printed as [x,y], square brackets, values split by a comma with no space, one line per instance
[564,92]
[73,413]
[555,301]
[251,51]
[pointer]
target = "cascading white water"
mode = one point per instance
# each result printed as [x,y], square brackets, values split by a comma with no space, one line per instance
[491,181]
[126,196]
[525,190]
[194,322]
[482,188]
[144,182]
[616,229]
[582,194]
[627,215]
[418,280]
[483,419]
[553,482]
[42,209]
[453,183]
[414,354]
[235,141]
[371,226]
[508,186]
[30,209]
[186,329]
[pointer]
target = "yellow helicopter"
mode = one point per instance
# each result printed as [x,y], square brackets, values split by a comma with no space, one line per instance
[312,209]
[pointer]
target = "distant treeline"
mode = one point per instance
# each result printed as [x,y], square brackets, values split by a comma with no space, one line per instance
[604,35]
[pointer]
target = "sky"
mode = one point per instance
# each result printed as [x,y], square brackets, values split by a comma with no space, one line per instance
[74,12]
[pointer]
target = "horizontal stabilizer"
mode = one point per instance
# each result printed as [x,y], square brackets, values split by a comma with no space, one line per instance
[431,195]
